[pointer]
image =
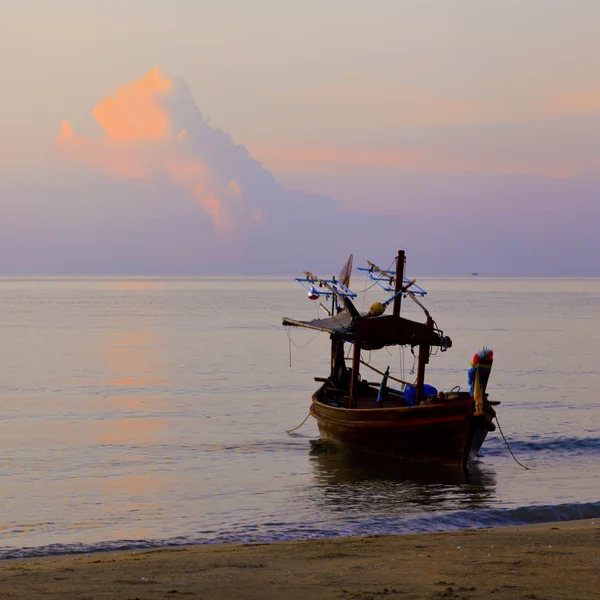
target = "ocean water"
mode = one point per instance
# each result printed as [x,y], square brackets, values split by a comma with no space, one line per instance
[142,412]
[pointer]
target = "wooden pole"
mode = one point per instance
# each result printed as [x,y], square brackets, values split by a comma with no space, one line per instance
[355,371]
[423,360]
[399,281]
[334,345]
[338,363]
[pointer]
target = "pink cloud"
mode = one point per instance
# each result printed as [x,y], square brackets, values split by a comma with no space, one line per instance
[575,103]
[139,143]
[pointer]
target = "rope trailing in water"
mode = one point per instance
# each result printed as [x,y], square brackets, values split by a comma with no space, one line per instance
[507,445]
[290,430]
[382,373]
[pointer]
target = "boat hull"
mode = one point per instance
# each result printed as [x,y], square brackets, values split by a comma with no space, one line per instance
[446,433]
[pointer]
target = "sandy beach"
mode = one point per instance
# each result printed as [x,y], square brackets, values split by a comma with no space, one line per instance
[544,562]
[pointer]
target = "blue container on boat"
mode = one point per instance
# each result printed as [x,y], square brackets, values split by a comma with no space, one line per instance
[410,393]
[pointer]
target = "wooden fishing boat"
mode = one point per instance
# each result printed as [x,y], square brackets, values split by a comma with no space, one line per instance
[415,422]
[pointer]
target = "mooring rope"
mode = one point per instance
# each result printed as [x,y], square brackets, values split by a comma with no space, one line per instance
[508,446]
[312,339]
[290,430]
[291,342]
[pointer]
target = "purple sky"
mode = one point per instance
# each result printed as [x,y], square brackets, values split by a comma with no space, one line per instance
[467,134]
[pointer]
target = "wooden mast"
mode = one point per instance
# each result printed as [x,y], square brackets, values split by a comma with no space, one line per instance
[399,281]
[423,360]
[355,372]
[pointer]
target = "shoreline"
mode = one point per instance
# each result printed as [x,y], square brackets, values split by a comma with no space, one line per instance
[543,561]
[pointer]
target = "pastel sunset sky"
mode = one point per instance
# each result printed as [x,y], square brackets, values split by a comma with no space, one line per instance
[262,136]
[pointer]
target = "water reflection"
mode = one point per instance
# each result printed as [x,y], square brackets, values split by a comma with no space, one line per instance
[357,483]
[134,366]
[134,431]
[134,421]
[136,404]
[133,285]
[132,359]
[137,485]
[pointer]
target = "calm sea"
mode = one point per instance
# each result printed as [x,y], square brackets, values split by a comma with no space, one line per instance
[142,412]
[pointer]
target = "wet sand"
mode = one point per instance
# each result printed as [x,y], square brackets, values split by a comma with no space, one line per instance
[543,562]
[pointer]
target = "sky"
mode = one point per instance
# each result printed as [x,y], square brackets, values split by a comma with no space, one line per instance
[259,136]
